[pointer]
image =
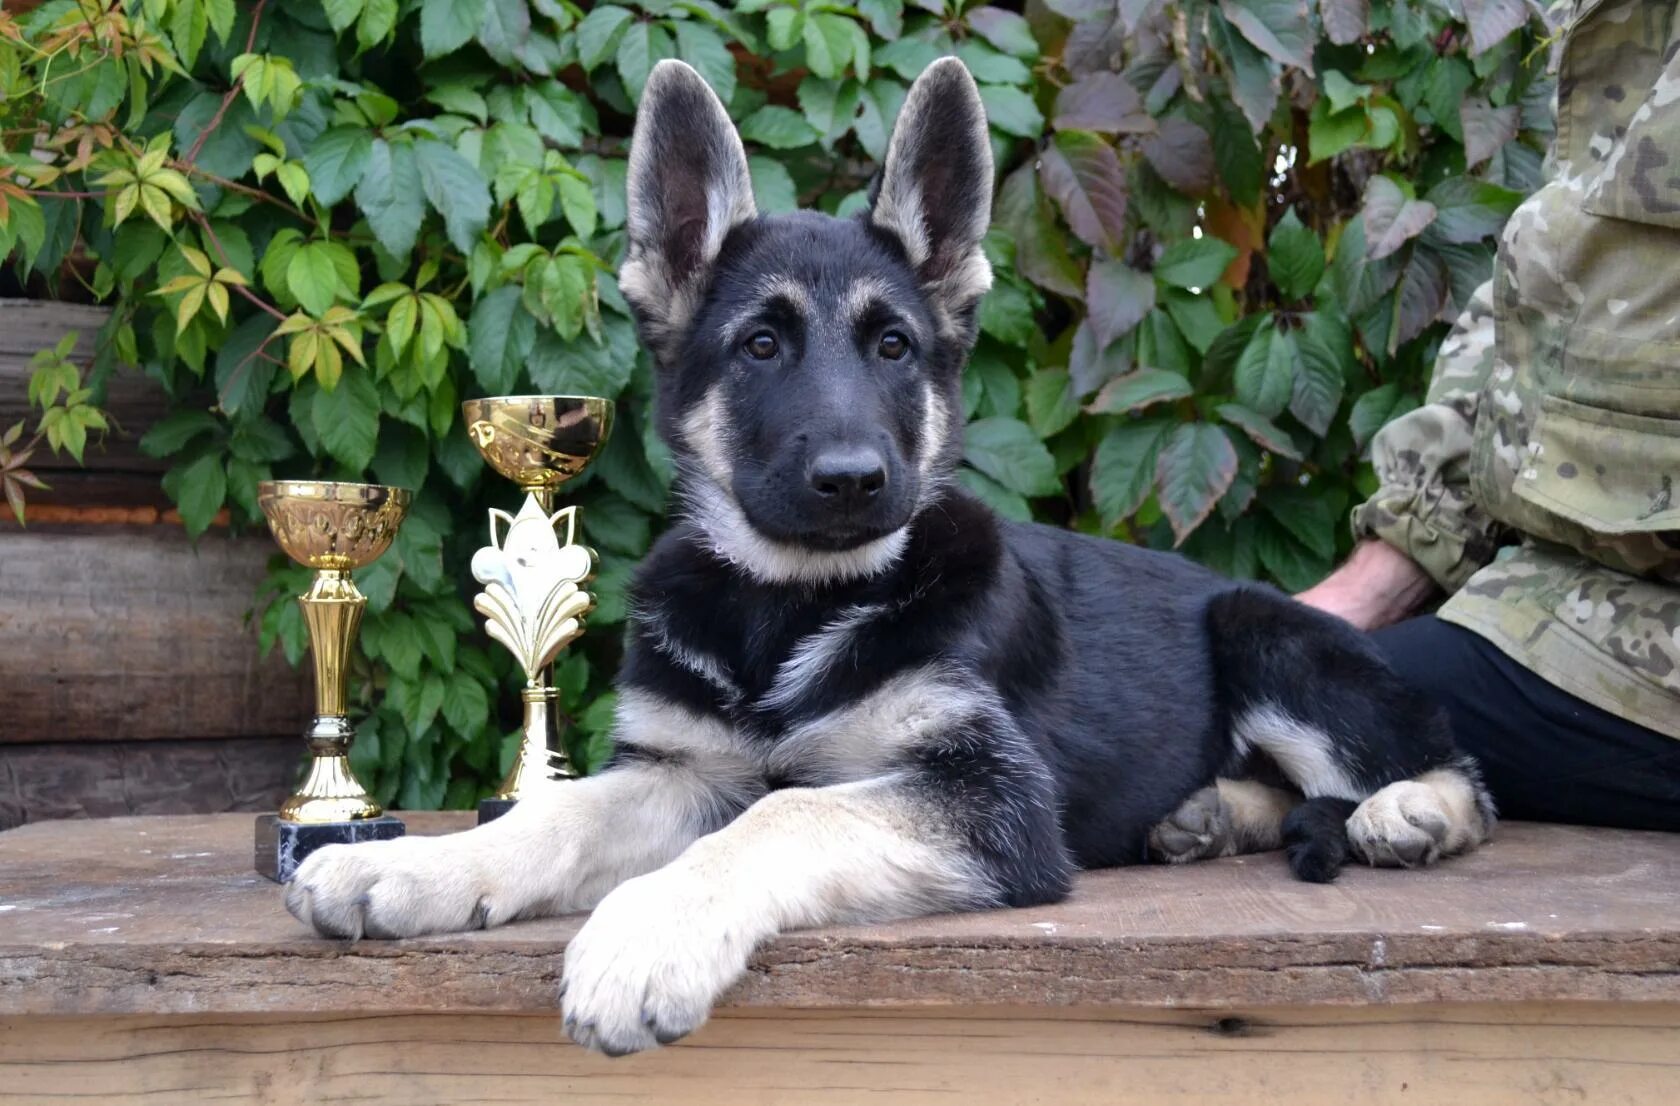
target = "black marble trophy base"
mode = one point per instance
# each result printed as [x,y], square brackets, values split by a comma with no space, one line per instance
[491,809]
[282,846]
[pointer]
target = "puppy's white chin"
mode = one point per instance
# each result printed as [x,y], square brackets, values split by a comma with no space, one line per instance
[733,539]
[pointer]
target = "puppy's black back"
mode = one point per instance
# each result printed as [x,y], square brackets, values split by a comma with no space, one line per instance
[1129,723]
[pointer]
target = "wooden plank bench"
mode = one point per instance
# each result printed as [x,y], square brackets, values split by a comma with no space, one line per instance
[142,960]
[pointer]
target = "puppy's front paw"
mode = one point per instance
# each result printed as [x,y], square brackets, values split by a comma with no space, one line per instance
[1199,829]
[647,966]
[399,888]
[1405,825]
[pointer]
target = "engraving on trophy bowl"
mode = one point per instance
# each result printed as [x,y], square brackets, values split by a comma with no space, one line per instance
[325,524]
[538,441]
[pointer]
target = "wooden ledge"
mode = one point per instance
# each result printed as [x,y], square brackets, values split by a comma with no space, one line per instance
[165,916]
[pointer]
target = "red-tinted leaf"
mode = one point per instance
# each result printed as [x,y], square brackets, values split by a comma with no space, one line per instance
[1090,362]
[1133,11]
[1392,220]
[1104,102]
[24,476]
[1260,429]
[1491,20]
[1280,28]
[1082,172]
[1195,468]
[14,496]
[1345,21]
[1422,296]
[1118,298]
[1183,154]
[1094,45]
[1138,390]
[1041,244]
[1006,30]
[1486,128]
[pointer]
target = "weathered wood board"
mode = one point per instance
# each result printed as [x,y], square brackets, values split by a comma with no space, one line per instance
[1488,1055]
[105,779]
[141,960]
[133,633]
[121,642]
[165,915]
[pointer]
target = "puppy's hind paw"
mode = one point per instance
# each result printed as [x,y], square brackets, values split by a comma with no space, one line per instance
[1405,825]
[1199,829]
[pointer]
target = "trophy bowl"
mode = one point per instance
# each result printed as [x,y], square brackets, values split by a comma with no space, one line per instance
[331,525]
[538,442]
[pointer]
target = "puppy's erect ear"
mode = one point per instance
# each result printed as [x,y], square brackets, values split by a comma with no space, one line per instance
[935,190]
[688,187]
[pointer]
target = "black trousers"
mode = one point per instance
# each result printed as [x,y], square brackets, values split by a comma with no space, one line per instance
[1546,755]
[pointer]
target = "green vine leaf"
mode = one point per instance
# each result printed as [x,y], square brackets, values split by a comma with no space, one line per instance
[448,25]
[389,194]
[1009,452]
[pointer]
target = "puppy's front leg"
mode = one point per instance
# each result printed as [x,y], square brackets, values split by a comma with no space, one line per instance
[561,850]
[659,950]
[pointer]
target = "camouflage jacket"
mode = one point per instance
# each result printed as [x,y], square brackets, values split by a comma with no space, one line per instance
[1537,483]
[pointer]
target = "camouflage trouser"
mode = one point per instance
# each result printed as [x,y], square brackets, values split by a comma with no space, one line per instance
[1545,755]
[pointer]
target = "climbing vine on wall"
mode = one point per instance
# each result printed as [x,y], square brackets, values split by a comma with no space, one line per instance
[1228,237]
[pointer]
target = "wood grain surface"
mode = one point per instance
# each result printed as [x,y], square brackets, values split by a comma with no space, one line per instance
[104,779]
[136,633]
[1527,1055]
[165,915]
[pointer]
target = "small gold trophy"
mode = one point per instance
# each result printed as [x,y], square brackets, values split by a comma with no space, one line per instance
[332,528]
[533,600]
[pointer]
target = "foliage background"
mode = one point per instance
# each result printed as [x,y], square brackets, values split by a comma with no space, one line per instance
[1228,239]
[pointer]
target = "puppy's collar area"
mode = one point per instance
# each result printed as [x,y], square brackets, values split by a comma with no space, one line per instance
[725,531]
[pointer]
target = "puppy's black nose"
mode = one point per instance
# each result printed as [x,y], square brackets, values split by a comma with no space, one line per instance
[848,476]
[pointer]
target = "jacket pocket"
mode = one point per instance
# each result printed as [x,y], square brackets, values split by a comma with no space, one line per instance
[1610,472]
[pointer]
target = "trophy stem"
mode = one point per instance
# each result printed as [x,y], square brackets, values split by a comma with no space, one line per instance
[542,753]
[332,609]
[542,715]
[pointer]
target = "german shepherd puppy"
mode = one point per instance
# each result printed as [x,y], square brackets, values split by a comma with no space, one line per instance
[852,692]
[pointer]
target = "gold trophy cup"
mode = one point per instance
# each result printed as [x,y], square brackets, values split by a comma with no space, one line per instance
[534,568]
[332,528]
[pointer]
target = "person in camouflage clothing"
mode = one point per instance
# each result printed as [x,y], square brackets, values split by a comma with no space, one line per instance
[1536,486]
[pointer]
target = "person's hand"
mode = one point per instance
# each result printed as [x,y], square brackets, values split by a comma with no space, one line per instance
[1378,586]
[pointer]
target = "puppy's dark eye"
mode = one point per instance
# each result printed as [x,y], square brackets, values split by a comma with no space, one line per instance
[893,345]
[762,346]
